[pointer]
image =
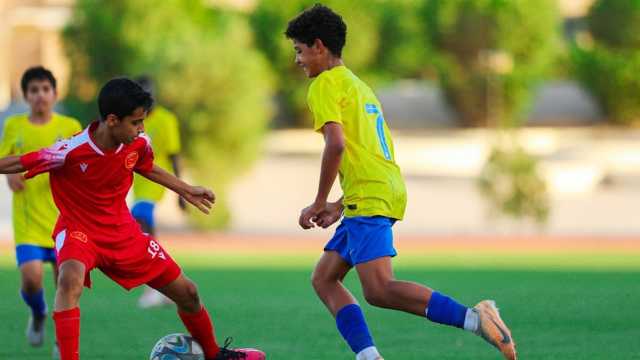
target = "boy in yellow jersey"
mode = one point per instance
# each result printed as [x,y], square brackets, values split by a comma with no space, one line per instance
[34,213]
[161,125]
[359,148]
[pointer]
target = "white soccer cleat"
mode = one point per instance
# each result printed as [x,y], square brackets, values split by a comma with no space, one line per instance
[153,298]
[493,329]
[35,331]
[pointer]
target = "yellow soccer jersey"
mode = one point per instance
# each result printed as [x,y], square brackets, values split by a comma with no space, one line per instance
[370,178]
[162,127]
[34,212]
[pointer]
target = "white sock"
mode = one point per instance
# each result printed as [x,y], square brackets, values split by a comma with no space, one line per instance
[370,353]
[471,321]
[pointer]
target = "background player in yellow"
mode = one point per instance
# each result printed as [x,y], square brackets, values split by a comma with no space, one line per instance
[161,125]
[34,213]
[359,148]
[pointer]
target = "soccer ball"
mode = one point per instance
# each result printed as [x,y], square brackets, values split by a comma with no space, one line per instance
[177,347]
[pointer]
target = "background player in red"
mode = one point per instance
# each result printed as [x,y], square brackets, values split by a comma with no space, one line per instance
[90,176]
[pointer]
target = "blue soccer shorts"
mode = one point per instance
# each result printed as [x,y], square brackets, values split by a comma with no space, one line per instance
[26,253]
[361,239]
[143,210]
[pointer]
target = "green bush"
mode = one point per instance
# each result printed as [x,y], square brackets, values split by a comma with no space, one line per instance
[615,23]
[467,35]
[511,183]
[612,77]
[206,70]
[609,65]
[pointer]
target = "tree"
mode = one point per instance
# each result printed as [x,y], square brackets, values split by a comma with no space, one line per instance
[465,36]
[609,64]
[206,70]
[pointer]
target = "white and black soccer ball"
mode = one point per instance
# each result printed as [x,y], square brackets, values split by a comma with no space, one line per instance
[177,347]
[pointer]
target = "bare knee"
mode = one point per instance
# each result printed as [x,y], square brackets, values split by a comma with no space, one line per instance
[191,300]
[377,294]
[31,274]
[31,283]
[70,284]
[321,282]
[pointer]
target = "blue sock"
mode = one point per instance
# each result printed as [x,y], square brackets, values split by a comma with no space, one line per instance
[36,302]
[352,326]
[444,310]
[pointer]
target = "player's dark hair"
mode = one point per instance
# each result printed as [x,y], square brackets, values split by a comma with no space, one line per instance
[319,22]
[146,82]
[121,97]
[36,73]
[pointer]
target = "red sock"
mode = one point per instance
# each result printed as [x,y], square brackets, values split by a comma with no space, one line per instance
[200,327]
[68,333]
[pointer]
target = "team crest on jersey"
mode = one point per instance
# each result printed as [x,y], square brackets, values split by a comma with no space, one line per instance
[79,235]
[84,166]
[130,160]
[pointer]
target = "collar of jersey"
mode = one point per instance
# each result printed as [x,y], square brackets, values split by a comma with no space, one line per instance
[93,145]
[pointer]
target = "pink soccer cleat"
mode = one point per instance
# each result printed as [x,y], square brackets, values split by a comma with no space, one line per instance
[238,354]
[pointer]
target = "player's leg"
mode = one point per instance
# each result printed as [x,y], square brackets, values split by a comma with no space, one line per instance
[327,281]
[196,319]
[32,292]
[143,212]
[383,290]
[67,313]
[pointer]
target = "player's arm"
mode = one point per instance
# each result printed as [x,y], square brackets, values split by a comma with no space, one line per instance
[11,165]
[331,158]
[175,164]
[198,196]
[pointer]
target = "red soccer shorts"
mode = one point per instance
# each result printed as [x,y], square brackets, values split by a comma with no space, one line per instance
[130,262]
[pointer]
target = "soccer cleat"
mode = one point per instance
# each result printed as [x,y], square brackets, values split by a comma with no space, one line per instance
[238,354]
[493,329]
[153,298]
[35,331]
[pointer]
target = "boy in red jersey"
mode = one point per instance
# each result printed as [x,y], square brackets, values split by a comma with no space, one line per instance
[90,176]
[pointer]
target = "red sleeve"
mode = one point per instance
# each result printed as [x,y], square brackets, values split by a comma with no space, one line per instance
[44,160]
[145,163]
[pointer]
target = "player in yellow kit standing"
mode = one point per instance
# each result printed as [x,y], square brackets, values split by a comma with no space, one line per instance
[161,126]
[34,213]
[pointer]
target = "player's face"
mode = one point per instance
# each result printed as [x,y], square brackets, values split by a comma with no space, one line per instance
[309,58]
[127,129]
[41,96]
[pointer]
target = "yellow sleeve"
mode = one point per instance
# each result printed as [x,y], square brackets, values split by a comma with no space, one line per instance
[7,144]
[325,102]
[173,145]
[75,127]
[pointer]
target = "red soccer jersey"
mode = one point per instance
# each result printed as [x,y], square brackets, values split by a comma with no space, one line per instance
[90,186]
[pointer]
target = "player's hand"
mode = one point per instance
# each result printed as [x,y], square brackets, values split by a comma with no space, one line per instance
[182,204]
[200,197]
[16,182]
[309,214]
[331,214]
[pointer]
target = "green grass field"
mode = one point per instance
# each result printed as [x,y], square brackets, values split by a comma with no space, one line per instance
[581,308]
